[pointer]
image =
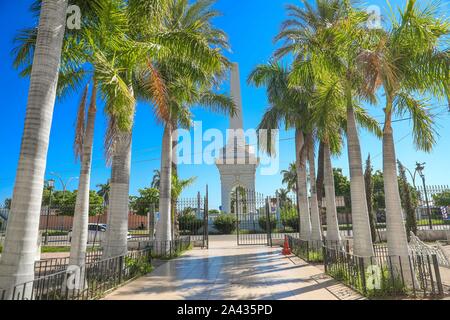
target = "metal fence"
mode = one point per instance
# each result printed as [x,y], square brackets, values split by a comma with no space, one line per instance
[429,214]
[49,266]
[55,280]
[385,275]
[55,223]
[86,283]
[191,219]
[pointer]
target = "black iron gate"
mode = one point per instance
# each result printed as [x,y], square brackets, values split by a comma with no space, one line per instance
[191,219]
[252,217]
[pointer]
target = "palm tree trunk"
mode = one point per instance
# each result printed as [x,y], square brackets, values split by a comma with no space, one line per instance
[20,246]
[302,190]
[320,174]
[117,229]
[316,232]
[330,197]
[163,232]
[175,227]
[362,238]
[81,217]
[395,227]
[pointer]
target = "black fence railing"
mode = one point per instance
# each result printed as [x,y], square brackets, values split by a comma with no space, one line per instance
[49,266]
[312,251]
[56,222]
[386,275]
[170,249]
[161,250]
[86,283]
[90,281]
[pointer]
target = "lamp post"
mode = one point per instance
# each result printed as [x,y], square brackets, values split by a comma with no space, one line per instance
[64,184]
[50,185]
[419,169]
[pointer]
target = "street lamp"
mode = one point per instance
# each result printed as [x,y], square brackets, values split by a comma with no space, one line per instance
[50,185]
[64,184]
[419,169]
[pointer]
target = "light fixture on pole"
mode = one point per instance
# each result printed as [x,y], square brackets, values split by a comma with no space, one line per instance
[419,169]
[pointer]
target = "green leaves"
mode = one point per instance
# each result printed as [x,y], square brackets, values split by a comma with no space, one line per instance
[424,132]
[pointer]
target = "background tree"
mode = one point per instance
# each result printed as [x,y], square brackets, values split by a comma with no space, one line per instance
[442,199]
[146,202]
[369,195]
[156,179]
[342,187]
[290,177]
[409,208]
[103,192]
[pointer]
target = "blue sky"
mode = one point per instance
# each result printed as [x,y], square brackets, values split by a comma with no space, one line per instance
[251,26]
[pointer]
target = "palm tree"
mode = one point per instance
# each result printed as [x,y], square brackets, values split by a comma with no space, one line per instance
[290,177]
[87,54]
[286,105]
[283,197]
[407,63]
[83,149]
[316,233]
[156,179]
[154,39]
[178,185]
[103,192]
[326,40]
[174,85]
[17,260]
[329,117]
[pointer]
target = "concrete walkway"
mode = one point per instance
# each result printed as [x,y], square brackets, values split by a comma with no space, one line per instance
[228,272]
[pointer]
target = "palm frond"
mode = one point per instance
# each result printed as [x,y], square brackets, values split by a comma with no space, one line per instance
[80,125]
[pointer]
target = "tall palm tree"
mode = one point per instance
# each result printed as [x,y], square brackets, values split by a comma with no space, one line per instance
[328,38]
[287,106]
[330,119]
[86,56]
[316,233]
[83,149]
[153,39]
[407,63]
[20,246]
[175,85]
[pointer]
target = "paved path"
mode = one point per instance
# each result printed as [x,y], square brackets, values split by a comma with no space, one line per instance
[228,272]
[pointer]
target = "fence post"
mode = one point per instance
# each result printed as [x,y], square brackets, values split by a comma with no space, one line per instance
[120,268]
[363,274]
[437,274]
[206,221]
[268,223]
[325,260]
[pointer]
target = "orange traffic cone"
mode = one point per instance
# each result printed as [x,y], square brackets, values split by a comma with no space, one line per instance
[286,250]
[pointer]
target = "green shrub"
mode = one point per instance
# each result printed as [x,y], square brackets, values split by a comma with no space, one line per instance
[139,266]
[262,221]
[289,218]
[189,223]
[225,223]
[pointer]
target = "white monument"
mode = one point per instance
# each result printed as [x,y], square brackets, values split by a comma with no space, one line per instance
[237,161]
